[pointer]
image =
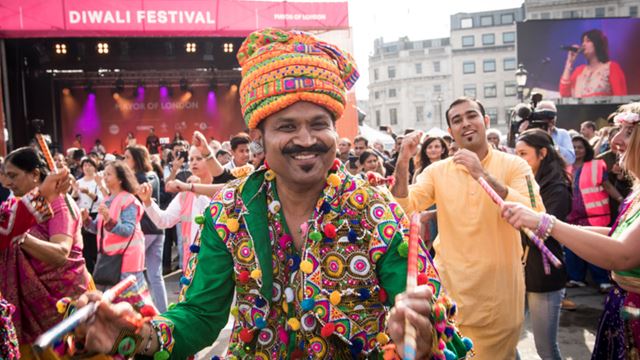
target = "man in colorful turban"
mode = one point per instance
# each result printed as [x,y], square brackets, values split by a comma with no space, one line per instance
[314,256]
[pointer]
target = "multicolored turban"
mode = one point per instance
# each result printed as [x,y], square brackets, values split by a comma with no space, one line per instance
[280,68]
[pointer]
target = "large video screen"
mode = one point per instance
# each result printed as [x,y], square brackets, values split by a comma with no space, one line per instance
[579,58]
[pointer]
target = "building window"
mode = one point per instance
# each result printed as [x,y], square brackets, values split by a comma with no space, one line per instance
[390,48]
[377,117]
[392,93]
[545,15]
[426,44]
[391,72]
[376,74]
[488,39]
[418,68]
[633,11]
[506,19]
[599,12]
[376,95]
[470,90]
[493,115]
[509,37]
[468,40]
[509,88]
[393,116]
[489,65]
[437,88]
[436,66]
[571,14]
[486,20]
[445,41]
[509,63]
[419,113]
[466,23]
[490,90]
[469,67]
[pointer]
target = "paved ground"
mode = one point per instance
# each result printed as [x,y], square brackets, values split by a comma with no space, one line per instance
[576,335]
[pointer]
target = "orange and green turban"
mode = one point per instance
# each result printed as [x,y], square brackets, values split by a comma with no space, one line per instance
[280,68]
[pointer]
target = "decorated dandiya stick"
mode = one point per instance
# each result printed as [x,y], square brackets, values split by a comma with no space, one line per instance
[42,143]
[81,315]
[412,282]
[536,240]
[46,153]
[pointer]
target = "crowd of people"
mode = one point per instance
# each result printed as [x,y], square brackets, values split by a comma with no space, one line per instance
[302,236]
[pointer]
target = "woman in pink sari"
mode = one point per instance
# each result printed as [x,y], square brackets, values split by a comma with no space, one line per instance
[45,263]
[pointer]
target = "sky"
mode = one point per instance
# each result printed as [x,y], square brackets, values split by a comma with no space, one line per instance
[417,19]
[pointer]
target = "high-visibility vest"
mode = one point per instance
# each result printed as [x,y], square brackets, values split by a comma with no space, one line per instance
[595,198]
[133,259]
[186,222]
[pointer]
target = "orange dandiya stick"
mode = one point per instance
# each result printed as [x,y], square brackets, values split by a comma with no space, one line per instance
[46,153]
[42,143]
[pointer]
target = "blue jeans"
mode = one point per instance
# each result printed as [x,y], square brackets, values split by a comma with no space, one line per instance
[544,312]
[577,269]
[153,260]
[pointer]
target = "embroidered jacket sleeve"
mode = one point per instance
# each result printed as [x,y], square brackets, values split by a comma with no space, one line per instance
[197,321]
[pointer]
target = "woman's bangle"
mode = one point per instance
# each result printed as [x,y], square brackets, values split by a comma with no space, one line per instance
[191,187]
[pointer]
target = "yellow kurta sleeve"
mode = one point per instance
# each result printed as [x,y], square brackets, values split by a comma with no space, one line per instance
[519,188]
[421,193]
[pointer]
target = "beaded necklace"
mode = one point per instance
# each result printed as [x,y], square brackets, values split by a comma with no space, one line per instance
[295,265]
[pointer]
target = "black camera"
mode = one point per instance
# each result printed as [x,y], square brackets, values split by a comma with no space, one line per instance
[353,161]
[538,119]
[184,155]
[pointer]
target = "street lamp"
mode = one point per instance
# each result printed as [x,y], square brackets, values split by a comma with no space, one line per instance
[439,100]
[521,81]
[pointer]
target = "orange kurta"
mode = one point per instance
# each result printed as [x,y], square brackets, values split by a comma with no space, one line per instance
[478,253]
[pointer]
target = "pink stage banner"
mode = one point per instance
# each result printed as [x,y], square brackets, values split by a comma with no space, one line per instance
[90,18]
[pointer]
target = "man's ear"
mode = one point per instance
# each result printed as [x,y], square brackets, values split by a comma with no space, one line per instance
[487,121]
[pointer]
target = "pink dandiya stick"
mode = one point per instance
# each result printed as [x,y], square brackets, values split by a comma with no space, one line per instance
[546,253]
[81,315]
[412,282]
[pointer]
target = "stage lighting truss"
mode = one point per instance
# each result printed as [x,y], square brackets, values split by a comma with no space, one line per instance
[190,47]
[228,47]
[61,49]
[103,48]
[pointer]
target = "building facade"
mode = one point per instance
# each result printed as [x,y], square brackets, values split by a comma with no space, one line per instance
[484,60]
[567,9]
[410,83]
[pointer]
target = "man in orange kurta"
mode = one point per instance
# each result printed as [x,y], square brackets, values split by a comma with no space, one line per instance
[478,254]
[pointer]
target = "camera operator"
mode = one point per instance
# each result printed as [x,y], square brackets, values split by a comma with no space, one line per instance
[178,164]
[544,116]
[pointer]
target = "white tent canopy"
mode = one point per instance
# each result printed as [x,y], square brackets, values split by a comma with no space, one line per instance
[373,135]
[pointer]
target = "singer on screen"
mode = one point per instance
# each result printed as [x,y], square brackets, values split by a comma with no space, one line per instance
[599,76]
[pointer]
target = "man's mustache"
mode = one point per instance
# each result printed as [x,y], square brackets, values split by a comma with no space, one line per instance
[296,149]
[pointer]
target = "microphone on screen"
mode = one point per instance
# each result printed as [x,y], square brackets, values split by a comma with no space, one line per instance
[575,49]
